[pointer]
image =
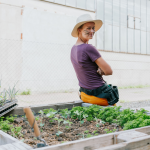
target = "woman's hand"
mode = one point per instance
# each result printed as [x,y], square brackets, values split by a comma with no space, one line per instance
[100,72]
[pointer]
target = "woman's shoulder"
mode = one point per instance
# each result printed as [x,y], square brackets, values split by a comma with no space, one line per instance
[90,47]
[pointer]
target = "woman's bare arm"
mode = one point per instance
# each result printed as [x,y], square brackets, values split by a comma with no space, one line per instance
[105,67]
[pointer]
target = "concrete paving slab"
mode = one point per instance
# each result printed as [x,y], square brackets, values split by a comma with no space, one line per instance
[126,95]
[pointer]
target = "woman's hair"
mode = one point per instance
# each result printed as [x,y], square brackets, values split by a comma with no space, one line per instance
[80,28]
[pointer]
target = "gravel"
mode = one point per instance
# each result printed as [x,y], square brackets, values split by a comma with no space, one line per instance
[135,104]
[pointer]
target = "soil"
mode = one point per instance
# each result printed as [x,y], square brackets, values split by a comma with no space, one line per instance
[49,130]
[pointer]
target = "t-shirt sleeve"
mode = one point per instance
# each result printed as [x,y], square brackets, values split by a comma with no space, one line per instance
[92,52]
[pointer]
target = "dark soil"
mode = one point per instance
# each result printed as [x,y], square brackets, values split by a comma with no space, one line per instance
[49,130]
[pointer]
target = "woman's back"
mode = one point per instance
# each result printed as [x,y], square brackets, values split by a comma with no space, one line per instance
[83,59]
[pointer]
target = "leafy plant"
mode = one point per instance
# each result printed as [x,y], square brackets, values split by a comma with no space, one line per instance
[67,122]
[51,110]
[27,92]
[41,123]
[59,121]
[12,92]
[5,126]
[16,131]
[95,131]
[37,118]
[86,131]
[108,131]
[65,113]
[89,135]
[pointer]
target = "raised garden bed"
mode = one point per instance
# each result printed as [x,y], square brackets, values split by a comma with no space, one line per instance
[62,126]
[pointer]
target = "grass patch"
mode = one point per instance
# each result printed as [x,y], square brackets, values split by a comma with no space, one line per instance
[134,87]
[122,101]
[27,92]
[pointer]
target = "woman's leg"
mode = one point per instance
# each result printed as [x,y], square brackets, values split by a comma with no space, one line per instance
[93,100]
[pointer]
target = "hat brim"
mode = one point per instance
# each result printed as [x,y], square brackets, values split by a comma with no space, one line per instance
[98,24]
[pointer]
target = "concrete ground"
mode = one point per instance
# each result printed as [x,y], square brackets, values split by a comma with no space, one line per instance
[126,95]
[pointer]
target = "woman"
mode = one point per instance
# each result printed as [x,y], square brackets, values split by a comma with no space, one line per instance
[89,65]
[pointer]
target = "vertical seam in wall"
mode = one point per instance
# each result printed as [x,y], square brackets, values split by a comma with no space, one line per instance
[112,25]
[104,24]
[146,26]
[140,26]
[119,25]
[127,26]
[134,26]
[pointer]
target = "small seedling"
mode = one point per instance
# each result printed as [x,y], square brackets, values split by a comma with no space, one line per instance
[59,121]
[37,118]
[12,92]
[67,122]
[108,131]
[95,131]
[89,135]
[79,114]
[58,133]
[86,131]
[42,115]
[16,132]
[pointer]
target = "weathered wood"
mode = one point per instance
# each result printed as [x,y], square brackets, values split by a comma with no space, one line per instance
[120,146]
[22,146]
[144,130]
[8,142]
[128,136]
[36,109]
[92,143]
[6,138]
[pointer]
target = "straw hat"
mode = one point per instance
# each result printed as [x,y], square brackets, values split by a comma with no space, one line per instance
[84,19]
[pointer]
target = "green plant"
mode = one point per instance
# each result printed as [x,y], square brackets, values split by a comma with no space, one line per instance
[79,113]
[16,131]
[3,97]
[11,118]
[89,135]
[37,118]
[5,126]
[65,113]
[59,121]
[108,131]
[12,92]
[67,122]
[95,131]
[86,131]
[51,110]
[27,92]
[41,122]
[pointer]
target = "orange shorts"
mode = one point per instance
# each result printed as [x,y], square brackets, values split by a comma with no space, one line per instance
[94,100]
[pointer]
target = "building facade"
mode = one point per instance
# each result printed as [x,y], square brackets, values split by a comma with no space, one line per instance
[35,41]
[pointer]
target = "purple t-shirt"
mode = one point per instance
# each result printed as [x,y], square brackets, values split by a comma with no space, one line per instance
[83,59]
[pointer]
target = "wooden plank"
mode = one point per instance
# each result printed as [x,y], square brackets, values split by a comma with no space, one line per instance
[22,146]
[93,143]
[138,142]
[9,147]
[120,146]
[6,138]
[144,130]
[19,110]
[124,137]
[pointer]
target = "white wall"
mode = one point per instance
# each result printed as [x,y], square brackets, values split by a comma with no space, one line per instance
[10,44]
[45,47]
[41,60]
[128,69]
